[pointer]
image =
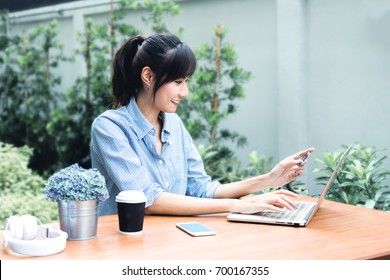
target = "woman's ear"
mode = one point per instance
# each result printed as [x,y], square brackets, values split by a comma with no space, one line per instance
[147,76]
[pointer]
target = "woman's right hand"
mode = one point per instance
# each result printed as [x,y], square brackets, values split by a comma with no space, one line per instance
[273,201]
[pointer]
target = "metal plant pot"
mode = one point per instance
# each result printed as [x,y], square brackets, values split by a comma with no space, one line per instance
[79,218]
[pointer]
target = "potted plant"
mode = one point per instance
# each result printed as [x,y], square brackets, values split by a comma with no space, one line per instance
[78,192]
[362,180]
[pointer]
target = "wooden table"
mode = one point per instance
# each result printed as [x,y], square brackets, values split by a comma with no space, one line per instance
[337,232]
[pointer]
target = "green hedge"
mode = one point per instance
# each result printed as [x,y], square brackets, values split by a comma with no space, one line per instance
[21,190]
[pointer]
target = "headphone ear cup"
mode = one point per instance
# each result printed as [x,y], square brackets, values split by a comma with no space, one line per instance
[15,225]
[23,227]
[30,227]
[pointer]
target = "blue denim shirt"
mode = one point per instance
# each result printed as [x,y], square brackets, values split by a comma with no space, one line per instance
[123,149]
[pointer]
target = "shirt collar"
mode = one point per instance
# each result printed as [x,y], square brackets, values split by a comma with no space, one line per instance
[166,134]
[142,126]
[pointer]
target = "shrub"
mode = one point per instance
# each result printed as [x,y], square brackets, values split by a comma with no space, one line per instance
[15,175]
[21,190]
[28,203]
[361,179]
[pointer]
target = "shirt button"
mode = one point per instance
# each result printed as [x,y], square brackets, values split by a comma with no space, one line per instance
[160,162]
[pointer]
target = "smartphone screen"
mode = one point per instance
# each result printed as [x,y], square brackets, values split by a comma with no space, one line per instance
[195,229]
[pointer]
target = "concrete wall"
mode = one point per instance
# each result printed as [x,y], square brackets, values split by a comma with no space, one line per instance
[348,73]
[321,68]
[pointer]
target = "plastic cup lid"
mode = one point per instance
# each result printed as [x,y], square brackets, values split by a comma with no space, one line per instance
[131,197]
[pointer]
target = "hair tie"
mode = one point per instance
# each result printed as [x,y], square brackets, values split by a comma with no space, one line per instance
[140,40]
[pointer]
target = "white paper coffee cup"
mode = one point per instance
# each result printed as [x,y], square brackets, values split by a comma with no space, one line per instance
[131,209]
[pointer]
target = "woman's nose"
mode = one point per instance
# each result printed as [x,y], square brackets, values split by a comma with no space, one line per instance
[184,91]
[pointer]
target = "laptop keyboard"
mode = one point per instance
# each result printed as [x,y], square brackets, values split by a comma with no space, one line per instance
[289,215]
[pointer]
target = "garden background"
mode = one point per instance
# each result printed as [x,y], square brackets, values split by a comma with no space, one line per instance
[292,74]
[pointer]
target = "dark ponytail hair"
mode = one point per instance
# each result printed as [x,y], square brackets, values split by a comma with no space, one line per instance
[165,54]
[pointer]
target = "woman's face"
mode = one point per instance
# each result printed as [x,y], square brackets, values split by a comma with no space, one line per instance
[169,95]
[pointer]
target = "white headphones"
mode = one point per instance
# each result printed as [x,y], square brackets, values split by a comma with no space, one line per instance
[21,236]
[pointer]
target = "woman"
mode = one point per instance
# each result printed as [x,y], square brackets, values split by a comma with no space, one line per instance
[142,145]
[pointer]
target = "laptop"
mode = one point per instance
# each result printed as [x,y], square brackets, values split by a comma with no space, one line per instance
[299,217]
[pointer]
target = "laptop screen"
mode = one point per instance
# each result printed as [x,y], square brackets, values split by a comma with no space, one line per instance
[332,177]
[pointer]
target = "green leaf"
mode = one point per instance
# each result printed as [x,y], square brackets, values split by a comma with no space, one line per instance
[370,203]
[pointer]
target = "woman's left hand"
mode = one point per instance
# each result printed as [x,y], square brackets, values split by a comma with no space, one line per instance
[289,169]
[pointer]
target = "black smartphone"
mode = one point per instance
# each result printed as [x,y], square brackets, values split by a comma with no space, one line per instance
[304,158]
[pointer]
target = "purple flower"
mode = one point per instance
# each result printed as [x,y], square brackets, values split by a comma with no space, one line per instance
[76,183]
